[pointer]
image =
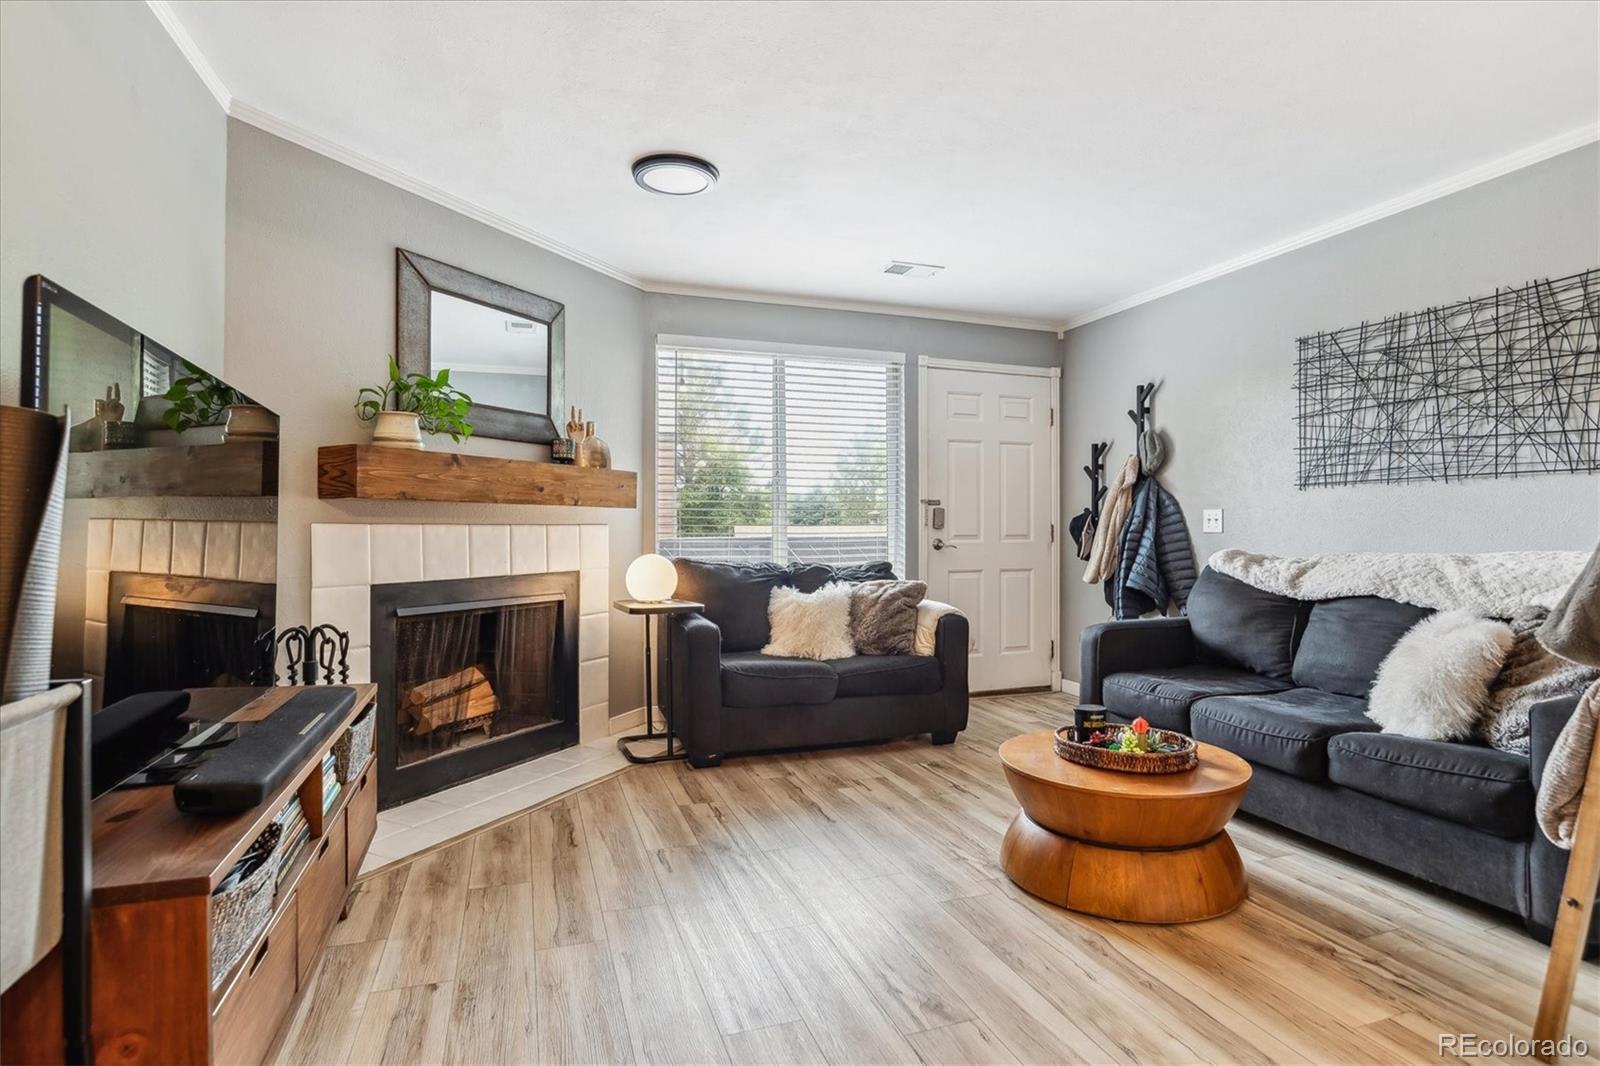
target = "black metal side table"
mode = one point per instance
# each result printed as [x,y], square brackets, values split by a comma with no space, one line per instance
[654,609]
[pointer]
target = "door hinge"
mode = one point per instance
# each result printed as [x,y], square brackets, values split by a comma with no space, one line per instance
[1052,416]
[1052,532]
[1052,651]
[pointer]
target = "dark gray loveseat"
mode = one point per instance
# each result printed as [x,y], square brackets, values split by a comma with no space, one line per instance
[1283,683]
[726,698]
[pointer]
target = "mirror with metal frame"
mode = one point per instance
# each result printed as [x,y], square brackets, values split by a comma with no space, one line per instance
[503,346]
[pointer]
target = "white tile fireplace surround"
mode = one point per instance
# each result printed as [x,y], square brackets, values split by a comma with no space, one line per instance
[228,551]
[347,559]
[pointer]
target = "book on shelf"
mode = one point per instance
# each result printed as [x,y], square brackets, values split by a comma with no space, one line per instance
[296,845]
[330,781]
[296,835]
[288,814]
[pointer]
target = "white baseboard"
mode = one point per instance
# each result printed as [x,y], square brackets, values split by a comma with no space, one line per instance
[1067,687]
[627,721]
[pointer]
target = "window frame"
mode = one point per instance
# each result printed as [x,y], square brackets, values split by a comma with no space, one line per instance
[897,530]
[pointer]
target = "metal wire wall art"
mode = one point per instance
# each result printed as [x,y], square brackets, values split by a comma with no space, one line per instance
[1502,386]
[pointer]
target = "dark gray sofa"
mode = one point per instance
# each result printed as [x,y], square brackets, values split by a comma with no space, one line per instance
[1283,683]
[726,698]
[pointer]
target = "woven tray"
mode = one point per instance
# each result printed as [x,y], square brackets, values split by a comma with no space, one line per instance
[1187,757]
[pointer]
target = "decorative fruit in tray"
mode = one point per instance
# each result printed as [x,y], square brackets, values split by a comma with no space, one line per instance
[1135,739]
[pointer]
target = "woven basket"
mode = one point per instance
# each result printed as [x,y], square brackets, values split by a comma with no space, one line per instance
[350,751]
[241,912]
[1187,757]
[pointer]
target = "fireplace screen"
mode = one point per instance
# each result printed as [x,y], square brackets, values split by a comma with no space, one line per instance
[465,676]
[174,645]
[164,632]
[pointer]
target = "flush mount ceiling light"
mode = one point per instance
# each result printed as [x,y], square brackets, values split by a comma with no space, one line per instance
[672,174]
[900,268]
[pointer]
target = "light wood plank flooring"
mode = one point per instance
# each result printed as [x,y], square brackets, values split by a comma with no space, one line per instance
[848,907]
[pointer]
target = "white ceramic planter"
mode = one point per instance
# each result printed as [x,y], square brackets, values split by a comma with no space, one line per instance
[248,421]
[397,429]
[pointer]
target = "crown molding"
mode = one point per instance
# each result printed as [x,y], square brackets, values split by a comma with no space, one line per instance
[1496,168]
[191,51]
[666,288]
[278,127]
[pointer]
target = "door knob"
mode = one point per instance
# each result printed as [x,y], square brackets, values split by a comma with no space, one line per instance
[939,545]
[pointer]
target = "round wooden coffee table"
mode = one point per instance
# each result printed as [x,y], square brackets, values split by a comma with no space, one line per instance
[1134,847]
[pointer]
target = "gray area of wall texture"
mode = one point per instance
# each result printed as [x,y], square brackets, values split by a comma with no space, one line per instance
[112,169]
[1224,353]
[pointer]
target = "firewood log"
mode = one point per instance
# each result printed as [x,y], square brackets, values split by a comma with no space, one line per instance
[454,708]
[429,691]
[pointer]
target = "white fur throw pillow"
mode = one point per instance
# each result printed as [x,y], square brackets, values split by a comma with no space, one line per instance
[1434,684]
[814,625]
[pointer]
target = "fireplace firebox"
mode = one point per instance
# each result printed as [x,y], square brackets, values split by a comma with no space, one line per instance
[170,632]
[473,675]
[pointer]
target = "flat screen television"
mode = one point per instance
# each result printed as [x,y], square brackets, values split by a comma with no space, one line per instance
[168,566]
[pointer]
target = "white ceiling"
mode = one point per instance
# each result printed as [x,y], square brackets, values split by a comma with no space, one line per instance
[1058,159]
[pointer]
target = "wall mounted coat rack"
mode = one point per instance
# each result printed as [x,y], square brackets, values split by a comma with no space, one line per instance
[1083,525]
[1140,414]
[1097,476]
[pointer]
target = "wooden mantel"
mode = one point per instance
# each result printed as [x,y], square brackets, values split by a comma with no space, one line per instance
[370,472]
[241,468]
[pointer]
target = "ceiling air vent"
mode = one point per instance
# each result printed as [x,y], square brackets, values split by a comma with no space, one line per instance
[903,269]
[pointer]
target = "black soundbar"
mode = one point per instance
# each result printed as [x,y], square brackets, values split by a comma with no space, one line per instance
[250,769]
[129,733]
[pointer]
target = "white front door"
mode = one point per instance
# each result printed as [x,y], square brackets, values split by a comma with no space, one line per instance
[989,455]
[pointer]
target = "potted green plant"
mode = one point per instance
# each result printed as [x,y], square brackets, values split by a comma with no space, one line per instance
[409,405]
[199,398]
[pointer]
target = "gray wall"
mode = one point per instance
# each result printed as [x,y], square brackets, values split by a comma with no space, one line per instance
[112,165]
[697,316]
[1224,352]
[310,320]
[113,161]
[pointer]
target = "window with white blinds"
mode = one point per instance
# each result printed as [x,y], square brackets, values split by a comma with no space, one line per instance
[776,457]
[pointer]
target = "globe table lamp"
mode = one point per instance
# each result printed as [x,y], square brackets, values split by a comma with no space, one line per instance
[651,581]
[651,578]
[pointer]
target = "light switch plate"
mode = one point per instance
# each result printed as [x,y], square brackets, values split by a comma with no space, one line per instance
[1211,520]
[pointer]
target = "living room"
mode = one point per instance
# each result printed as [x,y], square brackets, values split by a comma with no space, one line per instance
[644,531]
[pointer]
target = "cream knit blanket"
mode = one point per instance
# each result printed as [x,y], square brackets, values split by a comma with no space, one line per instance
[928,614]
[1561,785]
[1492,584]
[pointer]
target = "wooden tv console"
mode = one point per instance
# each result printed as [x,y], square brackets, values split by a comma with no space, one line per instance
[152,999]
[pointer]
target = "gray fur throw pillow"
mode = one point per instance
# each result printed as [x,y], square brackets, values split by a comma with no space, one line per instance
[883,616]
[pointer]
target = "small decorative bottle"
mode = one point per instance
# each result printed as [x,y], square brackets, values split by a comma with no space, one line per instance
[592,451]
